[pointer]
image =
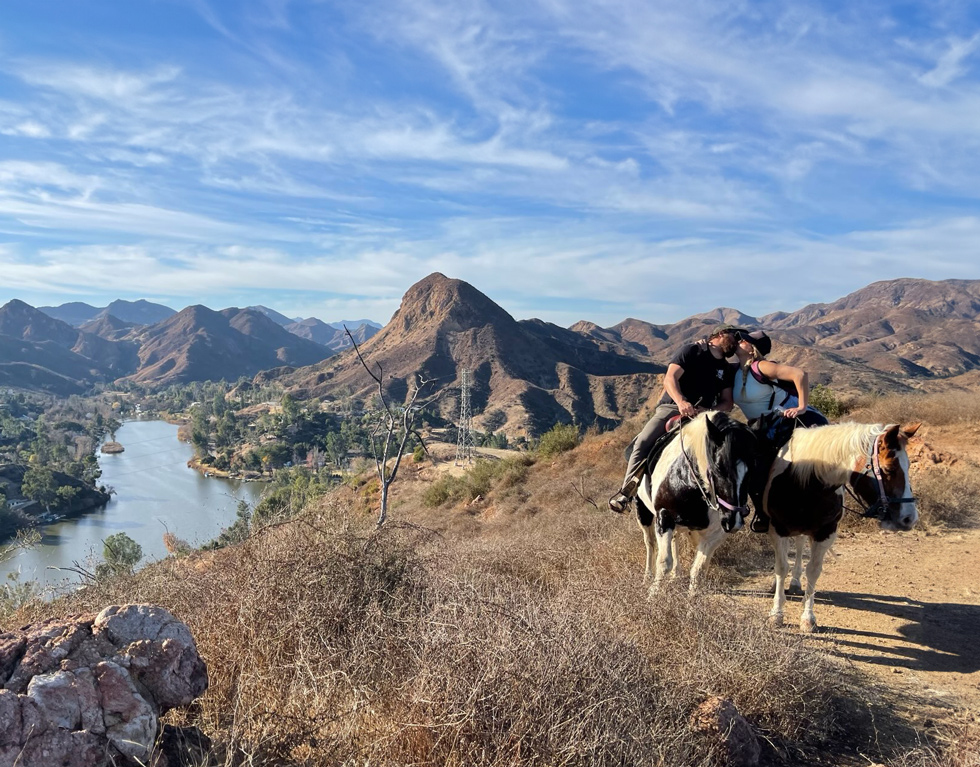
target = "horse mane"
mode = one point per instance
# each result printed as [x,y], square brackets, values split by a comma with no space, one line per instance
[694,436]
[829,452]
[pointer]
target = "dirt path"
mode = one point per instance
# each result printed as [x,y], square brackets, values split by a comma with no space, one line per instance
[903,607]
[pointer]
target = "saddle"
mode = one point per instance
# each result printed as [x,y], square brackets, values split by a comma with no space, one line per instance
[673,427]
[774,431]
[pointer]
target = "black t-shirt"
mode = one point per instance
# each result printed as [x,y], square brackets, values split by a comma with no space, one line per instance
[705,377]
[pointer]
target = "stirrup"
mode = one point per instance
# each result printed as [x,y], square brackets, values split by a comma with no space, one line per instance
[620,503]
[623,499]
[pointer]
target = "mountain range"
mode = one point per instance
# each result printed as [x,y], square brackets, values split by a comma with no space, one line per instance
[39,351]
[895,336]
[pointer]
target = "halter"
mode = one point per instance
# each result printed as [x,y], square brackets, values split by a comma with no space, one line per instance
[718,501]
[879,508]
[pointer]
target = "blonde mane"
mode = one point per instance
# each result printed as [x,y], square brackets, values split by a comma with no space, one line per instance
[694,435]
[831,452]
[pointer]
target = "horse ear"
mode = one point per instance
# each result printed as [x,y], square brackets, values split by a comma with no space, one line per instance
[891,436]
[910,430]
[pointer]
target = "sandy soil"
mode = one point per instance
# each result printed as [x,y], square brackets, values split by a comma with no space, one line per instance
[905,607]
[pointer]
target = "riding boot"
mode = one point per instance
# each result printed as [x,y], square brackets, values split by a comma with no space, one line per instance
[760,522]
[621,501]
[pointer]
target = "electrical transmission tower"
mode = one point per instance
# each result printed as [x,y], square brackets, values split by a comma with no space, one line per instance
[464,439]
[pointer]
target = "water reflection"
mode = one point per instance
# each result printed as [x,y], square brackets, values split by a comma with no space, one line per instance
[155,492]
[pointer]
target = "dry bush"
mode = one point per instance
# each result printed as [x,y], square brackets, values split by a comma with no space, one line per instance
[330,643]
[948,496]
[524,638]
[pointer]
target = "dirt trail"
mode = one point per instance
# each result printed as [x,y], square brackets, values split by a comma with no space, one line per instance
[903,607]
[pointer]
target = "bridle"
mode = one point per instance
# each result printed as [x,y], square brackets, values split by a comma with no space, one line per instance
[711,497]
[878,509]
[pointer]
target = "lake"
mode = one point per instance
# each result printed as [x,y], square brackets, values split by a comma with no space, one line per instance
[154,487]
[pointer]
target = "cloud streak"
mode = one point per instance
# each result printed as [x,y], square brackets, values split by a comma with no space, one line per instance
[615,158]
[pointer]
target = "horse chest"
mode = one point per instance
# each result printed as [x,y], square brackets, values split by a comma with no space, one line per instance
[678,503]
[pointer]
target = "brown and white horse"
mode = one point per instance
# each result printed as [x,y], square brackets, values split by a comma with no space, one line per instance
[804,496]
[700,482]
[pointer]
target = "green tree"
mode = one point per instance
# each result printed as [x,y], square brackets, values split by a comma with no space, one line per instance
[290,408]
[121,554]
[66,494]
[39,485]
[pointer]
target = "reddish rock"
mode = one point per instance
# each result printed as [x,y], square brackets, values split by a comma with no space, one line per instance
[89,692]
[719,720]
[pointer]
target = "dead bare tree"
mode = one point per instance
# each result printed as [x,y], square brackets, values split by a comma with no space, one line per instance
[394,426]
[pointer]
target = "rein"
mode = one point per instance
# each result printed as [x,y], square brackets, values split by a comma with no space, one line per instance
[879,508]
[718,501]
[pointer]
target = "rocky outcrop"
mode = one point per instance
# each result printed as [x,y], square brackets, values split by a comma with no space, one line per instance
[89,691]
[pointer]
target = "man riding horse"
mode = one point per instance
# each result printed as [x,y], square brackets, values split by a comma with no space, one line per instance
[698,378]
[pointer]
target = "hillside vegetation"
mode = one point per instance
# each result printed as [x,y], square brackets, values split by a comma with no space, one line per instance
[508,627]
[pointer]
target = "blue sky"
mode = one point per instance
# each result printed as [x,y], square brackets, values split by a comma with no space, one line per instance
[572,160]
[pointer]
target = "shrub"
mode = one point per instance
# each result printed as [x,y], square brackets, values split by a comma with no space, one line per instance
[559,439]
[948,497]
[418,454]
[827,402]
[121,554]
[483,478]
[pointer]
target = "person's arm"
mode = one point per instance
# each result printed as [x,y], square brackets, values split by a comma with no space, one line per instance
[672,383]
[790,373]
[726,401]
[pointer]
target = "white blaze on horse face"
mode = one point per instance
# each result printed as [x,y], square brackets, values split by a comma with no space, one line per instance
[740,473]
[910,514]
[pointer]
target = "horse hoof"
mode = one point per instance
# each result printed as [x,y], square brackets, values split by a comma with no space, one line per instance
[776,621]
[795,588]
[808,625]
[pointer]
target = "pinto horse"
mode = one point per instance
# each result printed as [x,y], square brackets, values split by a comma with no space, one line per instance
[701,483]
[804,495]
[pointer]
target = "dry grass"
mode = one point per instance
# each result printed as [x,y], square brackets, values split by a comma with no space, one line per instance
[331,644]
[518,634]
[933,409]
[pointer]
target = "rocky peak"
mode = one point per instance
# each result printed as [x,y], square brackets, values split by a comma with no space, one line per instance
[453,304]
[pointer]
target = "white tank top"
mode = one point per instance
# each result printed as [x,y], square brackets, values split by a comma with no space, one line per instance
[754,399]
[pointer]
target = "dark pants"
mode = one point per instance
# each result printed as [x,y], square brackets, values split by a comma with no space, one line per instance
[656,427]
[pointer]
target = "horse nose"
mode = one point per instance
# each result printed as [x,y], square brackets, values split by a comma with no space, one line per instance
[908,520]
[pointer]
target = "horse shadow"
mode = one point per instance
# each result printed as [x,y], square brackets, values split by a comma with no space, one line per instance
[942,636]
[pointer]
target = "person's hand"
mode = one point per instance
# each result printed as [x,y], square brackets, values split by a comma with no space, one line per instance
[793,412]
[687,409]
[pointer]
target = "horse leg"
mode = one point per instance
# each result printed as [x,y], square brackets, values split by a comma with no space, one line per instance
[665,559]
[675,557]
[781,547]
[808,623]
[708,542]
[796,582]
[648,542]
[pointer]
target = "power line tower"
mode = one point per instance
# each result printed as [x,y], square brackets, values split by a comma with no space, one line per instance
[464,439]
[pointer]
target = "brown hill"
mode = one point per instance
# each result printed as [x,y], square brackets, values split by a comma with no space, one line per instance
[108,326]
[198,344]
[90,357]
[892,336]
[333,338]
[914,329]
[535,372]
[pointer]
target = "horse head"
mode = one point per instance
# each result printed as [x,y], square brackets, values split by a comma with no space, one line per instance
[731,451]
[886,486]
